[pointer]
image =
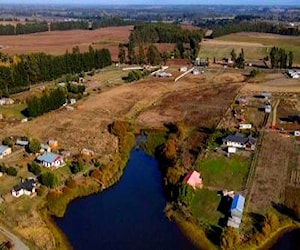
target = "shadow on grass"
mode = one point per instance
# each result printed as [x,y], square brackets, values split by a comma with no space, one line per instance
[257,220]
[283,209]
[214,234]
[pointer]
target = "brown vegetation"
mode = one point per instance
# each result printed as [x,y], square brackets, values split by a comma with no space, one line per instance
[57,42]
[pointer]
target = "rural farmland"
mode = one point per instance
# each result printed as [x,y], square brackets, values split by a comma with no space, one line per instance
[57,42]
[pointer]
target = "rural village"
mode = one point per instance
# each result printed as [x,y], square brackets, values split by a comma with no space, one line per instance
[226,122]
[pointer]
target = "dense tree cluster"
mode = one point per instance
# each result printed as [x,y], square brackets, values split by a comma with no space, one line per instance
[46,102]
[280,58]
[162,33]
[33,68]
[234,26]
[26,28]
[34,168]
[71,25]
[48,179]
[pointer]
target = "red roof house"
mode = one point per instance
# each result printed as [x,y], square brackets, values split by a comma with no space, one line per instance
[193,179]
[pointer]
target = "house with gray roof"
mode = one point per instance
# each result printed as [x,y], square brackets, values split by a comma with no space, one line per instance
[26,187]
[240,141]
[50,160]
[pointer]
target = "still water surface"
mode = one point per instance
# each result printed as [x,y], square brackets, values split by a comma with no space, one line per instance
[128,215]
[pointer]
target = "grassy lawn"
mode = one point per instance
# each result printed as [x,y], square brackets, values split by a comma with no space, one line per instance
[290,43]
[225,173]
[13,111]
[219,51]
[204,206]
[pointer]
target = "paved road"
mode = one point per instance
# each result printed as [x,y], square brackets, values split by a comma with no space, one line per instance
[18,244]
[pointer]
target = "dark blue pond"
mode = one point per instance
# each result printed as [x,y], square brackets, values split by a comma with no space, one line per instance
[128,215]
[289,241]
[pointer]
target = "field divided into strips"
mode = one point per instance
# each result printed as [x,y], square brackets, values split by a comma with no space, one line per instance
[290,43]
[272,172]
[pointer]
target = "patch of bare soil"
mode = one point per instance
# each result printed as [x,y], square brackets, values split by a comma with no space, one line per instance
[271,174]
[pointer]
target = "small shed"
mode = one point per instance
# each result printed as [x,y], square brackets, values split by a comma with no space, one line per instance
[193,179]
[231,150]
[53,143]
[265,95]
[245,126]
[87,152]
[45,148]
[183,69]
[22,143]
[195,72]
[268,108]
[72,101]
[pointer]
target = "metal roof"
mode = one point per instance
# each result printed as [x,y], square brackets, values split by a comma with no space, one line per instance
[48,157]
[238,203]
[236,138]
[3,148]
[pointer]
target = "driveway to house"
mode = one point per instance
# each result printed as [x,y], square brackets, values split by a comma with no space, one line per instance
[17,243]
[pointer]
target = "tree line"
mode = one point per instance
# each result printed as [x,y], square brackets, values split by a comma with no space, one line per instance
[34,27]
[38,67]
[280,58]
[162,33]
[234,26]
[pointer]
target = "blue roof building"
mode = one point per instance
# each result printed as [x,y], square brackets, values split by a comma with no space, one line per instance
[236,211]
[237,205]
[50,159]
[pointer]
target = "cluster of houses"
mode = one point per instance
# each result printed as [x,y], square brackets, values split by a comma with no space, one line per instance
[295,74]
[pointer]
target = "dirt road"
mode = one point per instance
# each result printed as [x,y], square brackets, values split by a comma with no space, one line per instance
[18,244]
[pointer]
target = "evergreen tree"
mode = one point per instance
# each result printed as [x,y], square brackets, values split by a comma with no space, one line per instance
[122,55]
[141,55]
[153,55]
[291,59]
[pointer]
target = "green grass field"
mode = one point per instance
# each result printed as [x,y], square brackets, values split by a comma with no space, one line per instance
[204,206]
[220,51]
[13,111]
[222,172]
[290,43]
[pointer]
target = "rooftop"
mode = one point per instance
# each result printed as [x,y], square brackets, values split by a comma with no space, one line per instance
[3,148]
[48,157]
[238,203]
[28,185]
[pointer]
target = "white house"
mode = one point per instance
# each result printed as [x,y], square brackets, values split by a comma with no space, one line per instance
[183,69]
[245,126]
[26,187]
[50,160]
[239,141]
[4,150]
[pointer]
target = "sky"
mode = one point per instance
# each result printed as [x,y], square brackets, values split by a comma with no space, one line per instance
[152,2]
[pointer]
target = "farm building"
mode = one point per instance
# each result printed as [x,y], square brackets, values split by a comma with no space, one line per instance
[72,101]
[6,101]
[268,108]
[52,143]
[242,101]
[195,72]
[208,34]
[22,143]
[26,187]
[193,179]
[4,150]
[245,126]
[183,69]
[163,74]
[50,160]
[87,152]
[239,141]
[201,62]
[265,95]
[293,74]
[236,211]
